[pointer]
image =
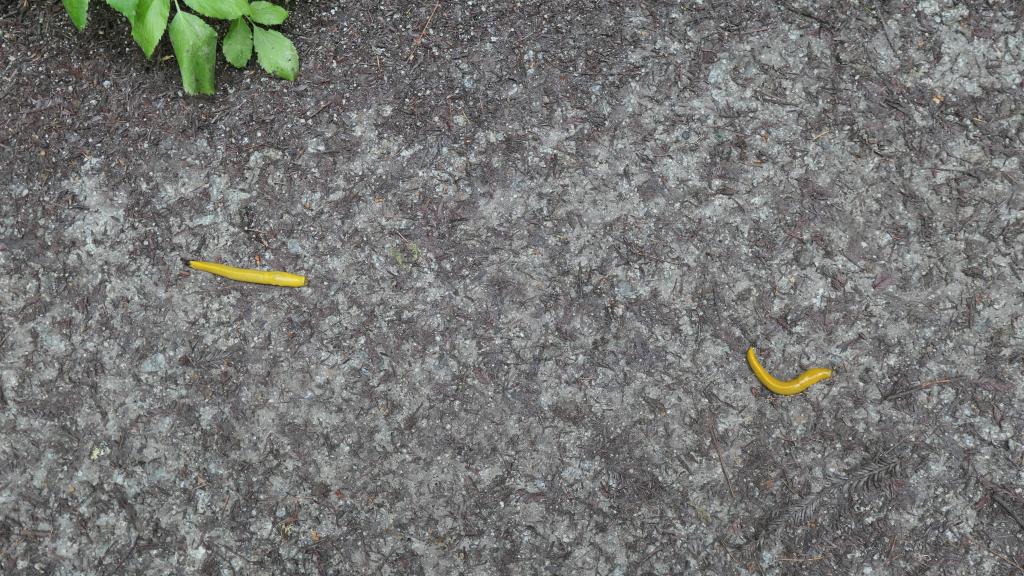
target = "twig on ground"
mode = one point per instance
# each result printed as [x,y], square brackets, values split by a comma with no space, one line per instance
[721,460]
[419,39]
[911,390]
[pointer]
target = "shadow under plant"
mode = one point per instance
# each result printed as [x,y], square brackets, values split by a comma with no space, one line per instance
[539,240]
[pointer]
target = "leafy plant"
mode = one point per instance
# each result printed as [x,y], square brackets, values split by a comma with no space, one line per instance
[195,42]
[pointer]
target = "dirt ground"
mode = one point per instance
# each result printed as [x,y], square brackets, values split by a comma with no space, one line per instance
[539,238]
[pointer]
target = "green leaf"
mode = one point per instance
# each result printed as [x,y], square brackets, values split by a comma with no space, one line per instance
[262,12]
[77,10]
[149,23]
[195,47]
[125,7]
[221,9]
[275,53]
[238,43]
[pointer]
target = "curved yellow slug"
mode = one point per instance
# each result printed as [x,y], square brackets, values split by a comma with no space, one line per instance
[787,387]
[271,277]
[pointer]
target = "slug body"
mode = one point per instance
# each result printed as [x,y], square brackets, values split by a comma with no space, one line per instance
[272,277]
[786,387]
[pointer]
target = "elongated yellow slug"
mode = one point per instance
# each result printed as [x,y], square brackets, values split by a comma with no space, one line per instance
[786,387]
[271,277]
